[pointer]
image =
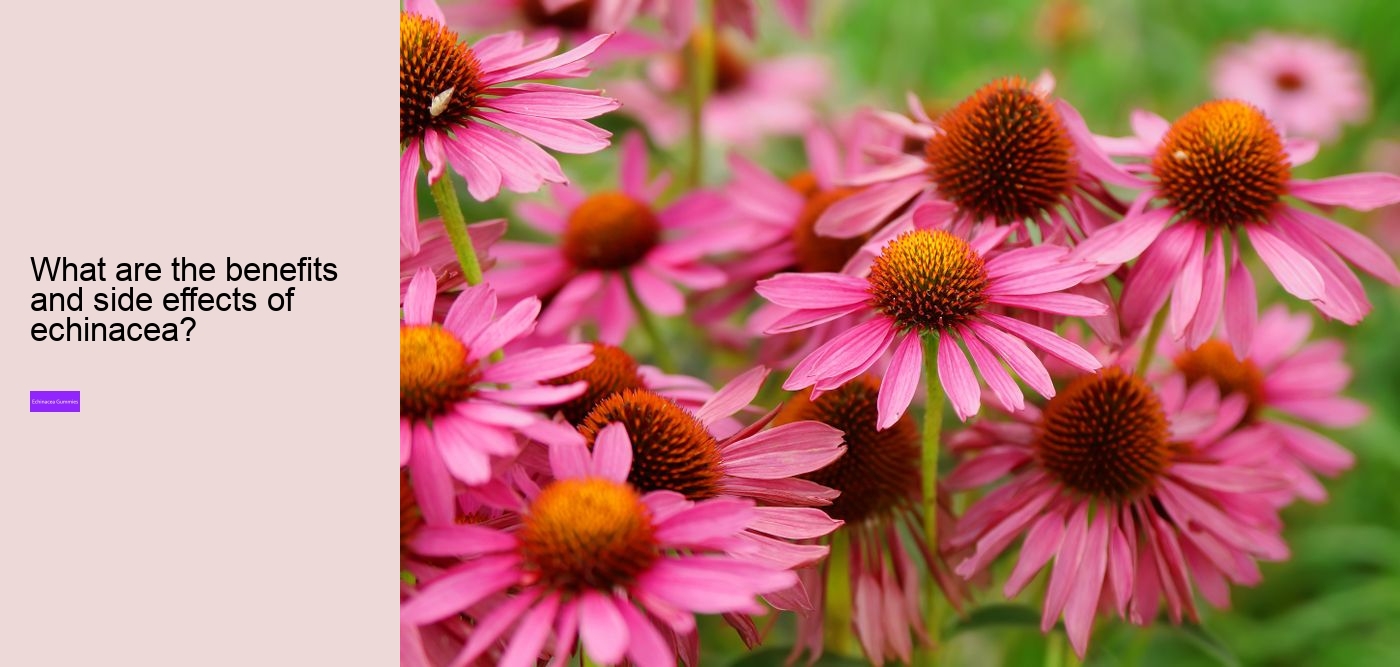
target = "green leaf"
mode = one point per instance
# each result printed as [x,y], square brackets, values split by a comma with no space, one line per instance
[1208,644]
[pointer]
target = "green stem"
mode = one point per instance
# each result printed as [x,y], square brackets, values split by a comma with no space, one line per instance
[700,55]
[933,425]
[1149,344]
[659,349]
[1054,649]
[838,595]
[445,196]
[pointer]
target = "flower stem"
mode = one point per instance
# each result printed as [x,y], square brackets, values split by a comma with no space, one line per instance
[700,56]
[659,349]
[445,196]
[1054,649]
[1149,345]
[933,424]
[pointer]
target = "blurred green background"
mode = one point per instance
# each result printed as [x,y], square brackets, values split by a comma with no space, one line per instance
[1337,600]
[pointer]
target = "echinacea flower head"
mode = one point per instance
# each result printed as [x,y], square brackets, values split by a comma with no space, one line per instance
[676,449]
[685,452]
[1136,494]
[879,481]
[934,283]
[460,104]
[459,407]
[1010,153]
[592,558]
[1289,384]
[1222,172]
[1311,87]
[614,371]
[610,241]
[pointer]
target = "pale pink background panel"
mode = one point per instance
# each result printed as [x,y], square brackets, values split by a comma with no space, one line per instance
[224,501]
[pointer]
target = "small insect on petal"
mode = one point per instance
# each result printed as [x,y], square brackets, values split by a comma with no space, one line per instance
[440,101]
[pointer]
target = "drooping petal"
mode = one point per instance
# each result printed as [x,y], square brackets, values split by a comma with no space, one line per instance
[733,397]
[1362,192]
[901,381]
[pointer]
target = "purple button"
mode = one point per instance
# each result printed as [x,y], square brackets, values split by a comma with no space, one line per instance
[55,401]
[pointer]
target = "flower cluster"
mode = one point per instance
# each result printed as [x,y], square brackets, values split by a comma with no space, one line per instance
[560,496]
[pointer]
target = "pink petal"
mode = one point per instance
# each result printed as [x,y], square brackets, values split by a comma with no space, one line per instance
[463,153]
[1208,309]
[460,588]
[814,290]
[530,635]
[733,397]
[1084,599]
[704,521]
[1064,575]
[783,451]
[418,300]
[427,8]
[1241,309]
[471,311]
[646,647]
[543,66]
[561,134]
[855,349]
[1349,243]
[612,453]
[490,627]
[1017,355]
[431,481]
[1091,159]
[1000,382]
[1126,239]
[570,460]
[1186,290]
[602,628]
[1047,340]
[1060,304]
[1041,544]
[866,209]
[795,523]
[956,375]
[1362,192]
[461,540]
[408,197]
[901,380]
[1294,272]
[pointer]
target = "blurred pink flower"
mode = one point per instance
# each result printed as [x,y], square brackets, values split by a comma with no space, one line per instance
[1223,170]
[1310,87]
[1131,491]
[572,21]
[455,412]
[752,98]
[932,282]
[1284,376]
[678,16]
[610,240]
[595,560]
[780,217]
[455,108]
